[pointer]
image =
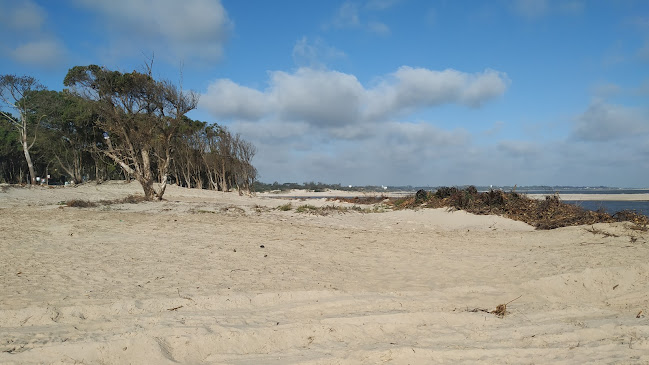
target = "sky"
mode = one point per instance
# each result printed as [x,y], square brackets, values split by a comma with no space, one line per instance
[380,92]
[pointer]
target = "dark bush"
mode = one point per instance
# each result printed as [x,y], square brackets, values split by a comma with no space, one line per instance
[445,192]
[421,196]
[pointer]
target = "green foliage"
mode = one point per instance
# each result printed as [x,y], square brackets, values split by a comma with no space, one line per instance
[150,137]
[285,207]
[11,158]
[306,208]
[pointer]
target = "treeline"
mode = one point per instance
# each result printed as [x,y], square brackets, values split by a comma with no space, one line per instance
[312,186]
[112,125]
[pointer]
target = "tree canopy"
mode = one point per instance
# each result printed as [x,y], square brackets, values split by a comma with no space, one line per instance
[108,124]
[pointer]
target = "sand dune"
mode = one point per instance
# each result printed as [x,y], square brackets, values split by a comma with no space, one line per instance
[187,280]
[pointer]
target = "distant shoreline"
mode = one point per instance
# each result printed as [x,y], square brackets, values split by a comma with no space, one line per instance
[298,194]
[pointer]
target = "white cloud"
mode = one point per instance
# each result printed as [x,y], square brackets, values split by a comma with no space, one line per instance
[318,124]
[410,88]
[331,99]
[605,122]
[29,43]
[317,97]
[47,53]
[228,99]
[192,29]
[23,15]
[315,53]
[347,16]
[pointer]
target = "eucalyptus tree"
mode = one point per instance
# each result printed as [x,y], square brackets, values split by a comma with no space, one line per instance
[68,133]
[14,91]
[12,160]
[139,116]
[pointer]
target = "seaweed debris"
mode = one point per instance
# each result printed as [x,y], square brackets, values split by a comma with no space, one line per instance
[548,213]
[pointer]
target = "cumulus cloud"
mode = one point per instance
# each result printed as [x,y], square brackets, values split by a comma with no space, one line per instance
[45,53]
[409,88]
[230,100]
[317,97]
[334,99]
[32,45]
[192,28]
[604,122]
[23,15]
[326,123]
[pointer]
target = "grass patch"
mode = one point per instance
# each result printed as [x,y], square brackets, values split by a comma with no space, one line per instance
[233,209]
[260,208]
[329,209]
[306,208]
[362,200]
[79,203]
[286,207]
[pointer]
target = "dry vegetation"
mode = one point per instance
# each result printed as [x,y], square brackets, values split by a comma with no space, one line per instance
[549,213]
[80,203]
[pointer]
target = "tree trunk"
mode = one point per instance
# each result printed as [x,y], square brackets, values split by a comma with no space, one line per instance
[30,164]
[224,184]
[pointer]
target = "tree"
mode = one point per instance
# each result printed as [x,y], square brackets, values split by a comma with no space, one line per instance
[140,118]
[13,94]
[12,160]
[68,134]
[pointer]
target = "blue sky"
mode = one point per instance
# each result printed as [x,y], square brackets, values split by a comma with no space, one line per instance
[392,92]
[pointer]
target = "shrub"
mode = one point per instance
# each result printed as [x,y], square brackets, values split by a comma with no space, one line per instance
[286,207]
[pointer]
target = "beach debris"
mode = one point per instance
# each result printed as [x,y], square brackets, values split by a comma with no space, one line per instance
[175,308]
[594,230]
[639,315]
[548,213]
[501,309]
[421,196]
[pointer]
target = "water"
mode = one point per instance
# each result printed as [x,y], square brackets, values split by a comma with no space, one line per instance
[609,206]
[612,206]
[584,191]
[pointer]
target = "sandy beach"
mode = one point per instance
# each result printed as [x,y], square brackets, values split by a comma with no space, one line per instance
[218,278]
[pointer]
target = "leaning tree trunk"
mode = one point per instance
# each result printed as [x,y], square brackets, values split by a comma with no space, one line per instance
[30,164]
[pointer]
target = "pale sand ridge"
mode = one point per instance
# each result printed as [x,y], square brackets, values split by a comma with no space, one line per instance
[187,281]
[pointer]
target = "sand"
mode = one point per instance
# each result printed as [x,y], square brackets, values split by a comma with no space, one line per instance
[217,278]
